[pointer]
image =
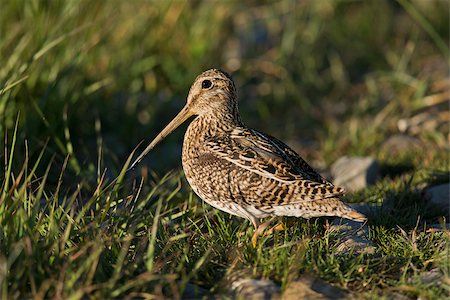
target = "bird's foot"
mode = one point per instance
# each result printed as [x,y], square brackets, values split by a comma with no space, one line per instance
[278,227]
[260,229]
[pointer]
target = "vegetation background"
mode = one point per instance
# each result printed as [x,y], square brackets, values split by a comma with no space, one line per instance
[83,82]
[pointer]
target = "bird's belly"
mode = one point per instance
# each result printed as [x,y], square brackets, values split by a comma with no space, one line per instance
[214,181]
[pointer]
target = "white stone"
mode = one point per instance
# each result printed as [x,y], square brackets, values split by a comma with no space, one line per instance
[255,289]
[311,288]
[353,236]
[355,173]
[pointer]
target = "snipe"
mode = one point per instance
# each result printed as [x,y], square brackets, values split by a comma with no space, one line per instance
[243,171]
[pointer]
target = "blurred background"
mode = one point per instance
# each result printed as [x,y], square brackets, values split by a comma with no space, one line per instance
[94,78]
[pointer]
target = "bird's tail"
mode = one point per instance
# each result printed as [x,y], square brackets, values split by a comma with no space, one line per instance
[343,210]
[320,208]
[355,216]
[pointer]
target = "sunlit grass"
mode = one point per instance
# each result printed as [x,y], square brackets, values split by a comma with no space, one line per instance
[152,239]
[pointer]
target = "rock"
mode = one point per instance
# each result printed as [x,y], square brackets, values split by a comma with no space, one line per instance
[353,236]
[399,296]
[255,289]
[355,173]
[432,277]
[438,199]
[192,291]
[401,143]
[438,228]
[311,288]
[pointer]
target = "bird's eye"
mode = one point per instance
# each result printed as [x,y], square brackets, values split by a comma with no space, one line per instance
[206,84]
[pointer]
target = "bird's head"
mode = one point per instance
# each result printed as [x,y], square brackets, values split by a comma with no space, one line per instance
[213,93]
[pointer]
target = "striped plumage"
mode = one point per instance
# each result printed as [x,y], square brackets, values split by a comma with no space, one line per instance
[243,171]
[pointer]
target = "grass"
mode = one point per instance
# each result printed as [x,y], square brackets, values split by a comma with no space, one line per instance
[82,83]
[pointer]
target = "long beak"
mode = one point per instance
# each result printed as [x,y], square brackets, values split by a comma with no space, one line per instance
[182,116]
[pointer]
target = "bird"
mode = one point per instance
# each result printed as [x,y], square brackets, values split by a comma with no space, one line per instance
[243,171]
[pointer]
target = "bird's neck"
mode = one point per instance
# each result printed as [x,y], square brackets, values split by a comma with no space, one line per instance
[212,124]
[221,119]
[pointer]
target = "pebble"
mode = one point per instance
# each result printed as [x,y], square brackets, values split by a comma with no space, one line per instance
[192,291]
[352,236]
[311,288]
[255,289]
[430,277]
[400,143]
[355,173]
[438,199]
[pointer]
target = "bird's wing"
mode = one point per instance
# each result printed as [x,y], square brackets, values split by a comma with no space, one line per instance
[268,157]
[292,158]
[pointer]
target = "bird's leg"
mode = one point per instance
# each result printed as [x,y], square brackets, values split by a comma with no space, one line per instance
[260,229]
[255,232]
[327,225]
